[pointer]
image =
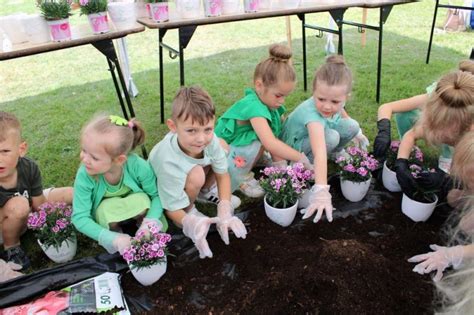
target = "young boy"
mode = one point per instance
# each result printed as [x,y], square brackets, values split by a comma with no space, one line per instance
[20,189]
[188,163]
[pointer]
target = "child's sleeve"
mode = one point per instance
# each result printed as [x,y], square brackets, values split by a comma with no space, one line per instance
[147,180]
[218,156]
[36,183]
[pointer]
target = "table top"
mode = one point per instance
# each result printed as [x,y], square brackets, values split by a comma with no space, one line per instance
[305,7]
[81,35]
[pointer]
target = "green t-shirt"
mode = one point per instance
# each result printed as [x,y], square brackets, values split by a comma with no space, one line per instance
[295,127]
[245,109]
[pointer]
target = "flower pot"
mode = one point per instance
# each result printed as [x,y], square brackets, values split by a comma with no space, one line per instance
[281,216]
[159,11]
[354,191]
[98,22]
[289,4]
[149,275]
[123,14]
[212,7]
[389,179]
[188,9]
[141,9]
[251,5]
[230,6]
[63,253]
[417,211]
[60,30]
[36,29]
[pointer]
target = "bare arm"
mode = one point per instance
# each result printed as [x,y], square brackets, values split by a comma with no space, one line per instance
[223,185]
[37,201]
[386,110]
[271,143]
[176,216]
[344,114]
[408,142]
[318,147]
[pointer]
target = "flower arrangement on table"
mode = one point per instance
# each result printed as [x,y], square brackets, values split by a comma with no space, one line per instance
[283,186]
[54,9]
[147,249]
[416,156]
[92,6]
[357,166]
[51,224]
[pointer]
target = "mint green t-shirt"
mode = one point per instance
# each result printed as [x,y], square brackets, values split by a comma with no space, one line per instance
[249,107]
[295,127]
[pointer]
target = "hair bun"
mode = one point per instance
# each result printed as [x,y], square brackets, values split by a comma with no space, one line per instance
[280,52]
[336,59]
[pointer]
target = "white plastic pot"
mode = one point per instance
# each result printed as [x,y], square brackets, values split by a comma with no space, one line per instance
[288,4]
[230,6]
[60,30]
[417,211]
[122,14]
[212,7]
[36,29]
[354,191]
[189,9]
[159,11]
[63,253]
[149,275]
[281,216]
[389,179]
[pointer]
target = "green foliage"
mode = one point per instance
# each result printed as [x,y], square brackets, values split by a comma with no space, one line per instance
[54,9]
[92,6]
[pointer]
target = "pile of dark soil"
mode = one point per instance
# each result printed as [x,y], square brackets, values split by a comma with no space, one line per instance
[356,264]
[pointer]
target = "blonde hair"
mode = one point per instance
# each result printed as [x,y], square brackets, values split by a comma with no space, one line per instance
[128,137]
[8,122]
[276,67]
[193,102]
[466,65]
[463,160]
[449,111]
[334,72]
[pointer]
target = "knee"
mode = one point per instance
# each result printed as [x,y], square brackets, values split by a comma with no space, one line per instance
[332,139]
[196,178]
[351,128]
[16,208]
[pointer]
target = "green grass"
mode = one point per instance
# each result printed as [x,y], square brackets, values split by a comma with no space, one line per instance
[54,94]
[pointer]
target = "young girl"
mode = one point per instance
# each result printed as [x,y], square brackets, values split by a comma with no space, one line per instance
[444,257]
[320,127]
[113,185]
[407,112]
[445,117]
[253,124]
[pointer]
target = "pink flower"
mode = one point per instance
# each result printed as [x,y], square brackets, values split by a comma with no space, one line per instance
[83,2]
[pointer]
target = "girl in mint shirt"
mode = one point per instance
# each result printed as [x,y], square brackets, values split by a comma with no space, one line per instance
[112,185]
[253,123]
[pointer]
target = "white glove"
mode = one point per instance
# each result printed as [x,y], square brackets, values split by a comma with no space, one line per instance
[113,241]
[195,226]
[305,161]
[361,141]
[121,242]
[320,199]
[227,221]
[9,270]
[280,164]
[149,224]
[440,259]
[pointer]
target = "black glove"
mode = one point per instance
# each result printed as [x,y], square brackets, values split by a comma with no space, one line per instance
[382,140]
[404,177]
[431,181]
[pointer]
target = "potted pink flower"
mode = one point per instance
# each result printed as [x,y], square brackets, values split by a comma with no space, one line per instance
[146,256]
[96,11]
[51,225]
[57,13]
[355,173]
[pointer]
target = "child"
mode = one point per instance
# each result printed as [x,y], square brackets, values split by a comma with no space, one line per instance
[20,189]
[443,257]
[407,112]
[253,124]
[320,127]
[188,163]
[114,187]
[445,117]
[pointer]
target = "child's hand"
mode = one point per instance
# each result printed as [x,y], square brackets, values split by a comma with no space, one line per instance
[196,226]
[361,141]
[227,220]
[383,139]
[148,225]
[440,259]
[404,177]
[121,242]
[306,162]
[9,270]
[320,200]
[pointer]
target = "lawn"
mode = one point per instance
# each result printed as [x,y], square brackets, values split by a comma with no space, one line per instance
[54,94]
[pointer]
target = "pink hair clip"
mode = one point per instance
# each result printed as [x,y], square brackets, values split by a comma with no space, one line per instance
[131,124]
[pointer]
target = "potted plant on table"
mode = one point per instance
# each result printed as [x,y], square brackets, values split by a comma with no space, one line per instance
[96,11]
[146,256]
[158,10]
[52,227]
[355,173]
[389,177]
[57,13]
[283,186]
[212,7]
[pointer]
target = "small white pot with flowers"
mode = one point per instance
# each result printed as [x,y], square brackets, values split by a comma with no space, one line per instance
[146,256]
[354,171]
[57,13]
[283,186]
[96,11]
[51,225]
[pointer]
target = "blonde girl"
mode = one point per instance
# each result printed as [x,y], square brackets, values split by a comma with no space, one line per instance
[253,123]
[113,185]
[320,127]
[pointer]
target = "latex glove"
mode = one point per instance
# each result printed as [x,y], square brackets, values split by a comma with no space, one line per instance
[196,226]
[9,270]
[227,220]
[149,224]
[361,141]
[431,180]
[122,242]
[305,161]
[113,241]
[404,177]
[439,260]
[382,140]
[280,164]
[320,200]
